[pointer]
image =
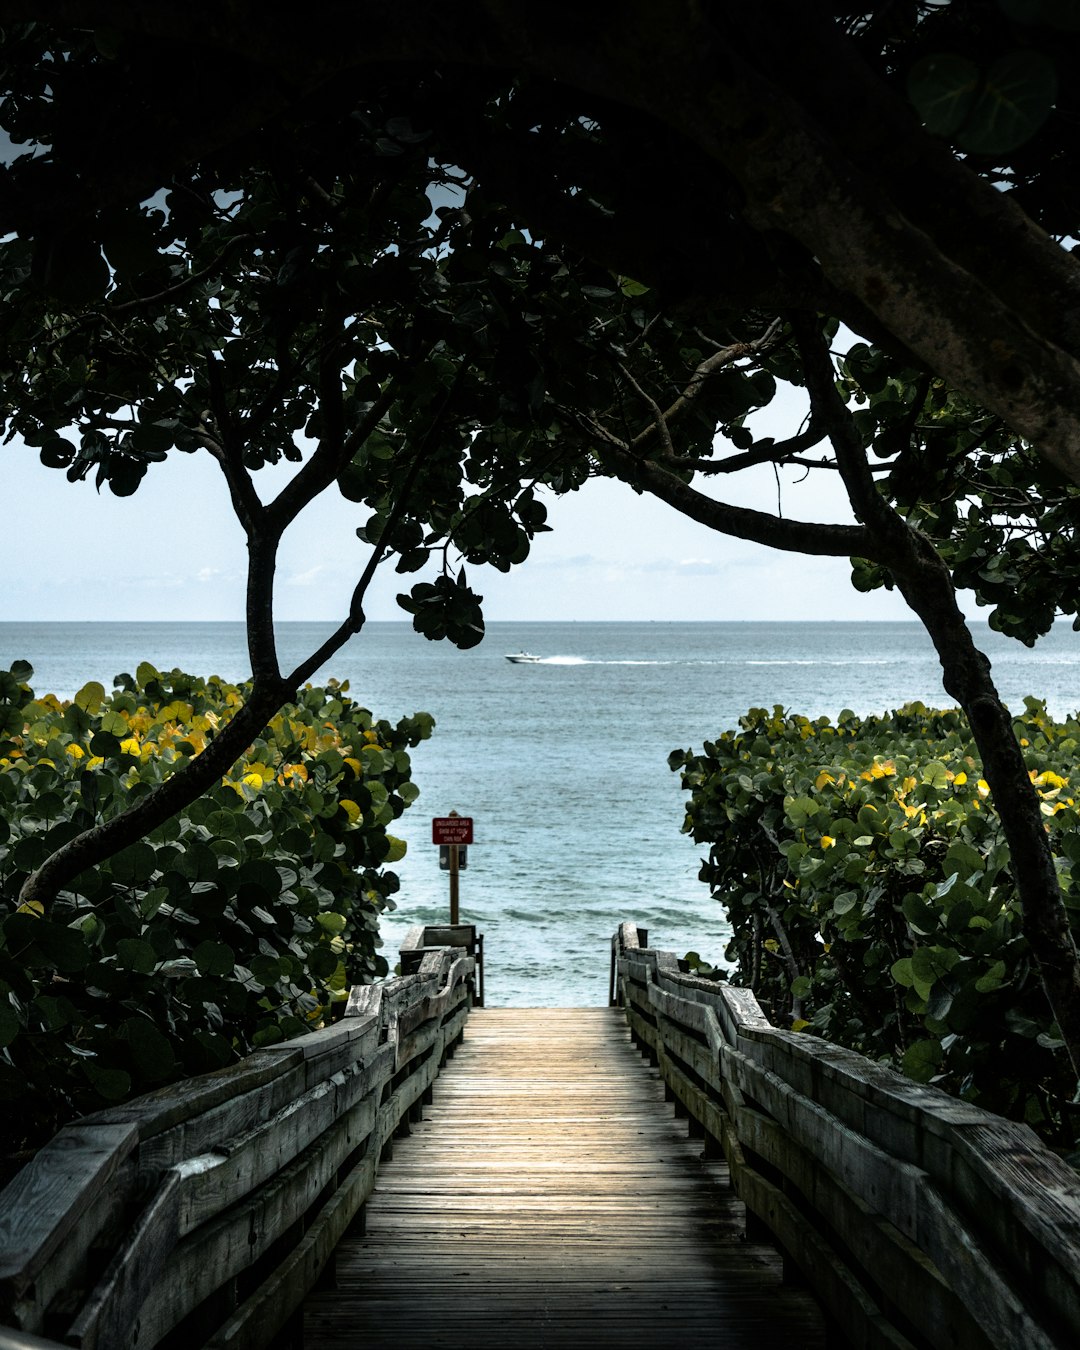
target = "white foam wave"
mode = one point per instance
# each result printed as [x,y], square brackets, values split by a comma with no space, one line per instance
[854,661]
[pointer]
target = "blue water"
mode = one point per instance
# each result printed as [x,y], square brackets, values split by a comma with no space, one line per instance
[563,764]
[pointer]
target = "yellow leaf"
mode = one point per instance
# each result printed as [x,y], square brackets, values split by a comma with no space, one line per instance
[823,777]
[984,788]
[771,945]
[75,751]
[799,1023]
[960,779]
[827,841]
[351,809]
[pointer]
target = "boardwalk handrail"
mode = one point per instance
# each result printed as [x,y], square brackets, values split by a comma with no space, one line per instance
[918,1219]
[201,1214]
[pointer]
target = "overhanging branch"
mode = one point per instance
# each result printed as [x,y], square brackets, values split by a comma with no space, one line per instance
[741,522]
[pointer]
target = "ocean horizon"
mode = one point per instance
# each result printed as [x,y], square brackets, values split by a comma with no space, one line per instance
[562,763]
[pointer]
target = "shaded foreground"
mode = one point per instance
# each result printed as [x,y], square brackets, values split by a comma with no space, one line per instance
[550,1199]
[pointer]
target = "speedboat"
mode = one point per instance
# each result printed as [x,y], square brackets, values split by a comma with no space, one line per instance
[523,658]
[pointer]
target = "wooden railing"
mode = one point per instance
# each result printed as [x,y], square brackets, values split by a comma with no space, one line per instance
[918,1219]
[202,1214]
[424,937]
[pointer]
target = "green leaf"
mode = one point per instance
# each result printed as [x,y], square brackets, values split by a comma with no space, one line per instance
[40,943]
[137,955]
[258,881]
[9,1024]
[198,862]
[267,970]
[57,453]
[993,979]
[113,723]
[922,1060]
[105,744]
[90,697]
[145,673]
[112,1084]
[1015,101]
[134,865]
[943,88]
[214,958]
[964,859]
[935,775]
[902,972]
[151,902]
[322,963]
[151,1051]
[921,917]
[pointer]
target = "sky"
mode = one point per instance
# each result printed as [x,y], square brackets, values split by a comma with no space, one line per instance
[175,551]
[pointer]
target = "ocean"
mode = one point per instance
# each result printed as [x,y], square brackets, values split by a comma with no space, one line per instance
[562,763]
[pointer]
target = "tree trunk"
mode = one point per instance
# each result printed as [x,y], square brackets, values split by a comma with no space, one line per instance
[926,584]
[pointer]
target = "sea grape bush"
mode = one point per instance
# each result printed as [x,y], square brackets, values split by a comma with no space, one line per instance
[235,925]
[867,880]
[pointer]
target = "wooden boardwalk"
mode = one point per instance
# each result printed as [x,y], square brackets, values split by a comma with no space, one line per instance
[551,1198]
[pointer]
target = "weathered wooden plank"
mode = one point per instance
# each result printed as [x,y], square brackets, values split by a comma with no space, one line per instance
[890,1262]
[543,1197]
[222,1250]
[159,1277]
[259,1317]
[11,1339]
[707,1112]
[54,1209]
[1029,1200]
[851,1305]
[167,1107]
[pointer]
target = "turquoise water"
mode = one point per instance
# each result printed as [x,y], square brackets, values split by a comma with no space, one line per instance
[563,764]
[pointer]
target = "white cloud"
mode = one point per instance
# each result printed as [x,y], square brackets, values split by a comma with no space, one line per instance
[308,578]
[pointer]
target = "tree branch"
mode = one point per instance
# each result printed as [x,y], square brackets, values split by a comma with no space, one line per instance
[779,452]
[356,618]
[741,522]
[221,445]
[329,459]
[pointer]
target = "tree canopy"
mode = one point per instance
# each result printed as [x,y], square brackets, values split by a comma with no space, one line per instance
[449,259]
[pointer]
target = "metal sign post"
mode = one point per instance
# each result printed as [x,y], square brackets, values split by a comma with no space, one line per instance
[453,832]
